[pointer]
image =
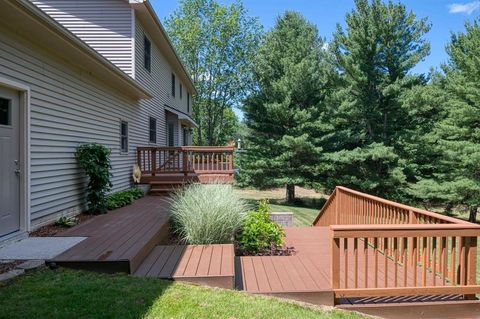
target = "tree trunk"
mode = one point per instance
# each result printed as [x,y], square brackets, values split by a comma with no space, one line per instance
[290,194]
[473,214]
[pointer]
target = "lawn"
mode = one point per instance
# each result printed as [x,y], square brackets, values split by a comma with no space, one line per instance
[305,209]
[66,293]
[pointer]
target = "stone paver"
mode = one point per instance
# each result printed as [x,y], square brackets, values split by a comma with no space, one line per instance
[39,248]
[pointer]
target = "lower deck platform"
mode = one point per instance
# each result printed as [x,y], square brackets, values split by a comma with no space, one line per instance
[120,240]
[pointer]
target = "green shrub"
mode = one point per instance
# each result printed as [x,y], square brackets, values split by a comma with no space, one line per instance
[66,221]
[123,198]
[207,214]
[94,159]
[259,233]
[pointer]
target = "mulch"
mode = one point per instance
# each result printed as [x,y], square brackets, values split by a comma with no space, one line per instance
[52,229]
[4,267]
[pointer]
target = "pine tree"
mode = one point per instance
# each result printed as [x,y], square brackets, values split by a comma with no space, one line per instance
[284,115]
[455,140]
[374,56]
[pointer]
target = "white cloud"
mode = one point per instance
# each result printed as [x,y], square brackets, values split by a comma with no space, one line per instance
[467,8]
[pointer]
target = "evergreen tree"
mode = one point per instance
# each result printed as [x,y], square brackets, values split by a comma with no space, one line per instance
[374,55]
[455,140]
[284,113]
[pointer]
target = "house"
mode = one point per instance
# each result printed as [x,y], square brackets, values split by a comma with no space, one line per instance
[74,72]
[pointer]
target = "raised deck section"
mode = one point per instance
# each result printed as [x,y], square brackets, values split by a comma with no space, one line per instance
[303,277]
[120,240]
[211,265]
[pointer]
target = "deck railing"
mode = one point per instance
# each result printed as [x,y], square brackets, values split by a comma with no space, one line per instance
[383,248]
[185,159]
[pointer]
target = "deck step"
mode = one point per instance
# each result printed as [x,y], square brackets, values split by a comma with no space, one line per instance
[211,265]
[120,240]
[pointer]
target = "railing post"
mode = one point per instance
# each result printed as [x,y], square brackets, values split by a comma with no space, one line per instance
[337,203]
[154,161]
[139,159]
[471,264]
[335,261]
[185,162]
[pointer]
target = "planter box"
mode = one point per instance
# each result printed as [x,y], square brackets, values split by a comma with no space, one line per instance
[144,187]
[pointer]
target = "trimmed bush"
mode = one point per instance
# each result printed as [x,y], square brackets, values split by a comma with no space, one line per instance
[94,159]
[259,234]
[207,214]
[123,198]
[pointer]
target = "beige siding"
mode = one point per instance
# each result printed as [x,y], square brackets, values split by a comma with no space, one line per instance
[105,25]
[68,107]
[158,81]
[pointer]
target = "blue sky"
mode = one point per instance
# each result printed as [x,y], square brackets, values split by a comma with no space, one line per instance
[445,15]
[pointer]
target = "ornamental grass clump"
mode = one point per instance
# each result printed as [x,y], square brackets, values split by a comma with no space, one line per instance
[207,214]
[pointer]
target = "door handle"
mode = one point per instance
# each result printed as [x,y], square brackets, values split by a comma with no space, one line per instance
[17,170]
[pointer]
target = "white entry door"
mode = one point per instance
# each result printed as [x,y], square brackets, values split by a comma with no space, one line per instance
[9,161]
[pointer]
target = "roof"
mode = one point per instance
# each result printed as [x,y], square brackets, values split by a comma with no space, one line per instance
[38,27]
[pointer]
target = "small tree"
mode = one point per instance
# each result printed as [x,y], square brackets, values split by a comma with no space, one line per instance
[94,159]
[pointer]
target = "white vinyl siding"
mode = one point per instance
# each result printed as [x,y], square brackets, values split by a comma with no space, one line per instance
[68,108]
[104,25]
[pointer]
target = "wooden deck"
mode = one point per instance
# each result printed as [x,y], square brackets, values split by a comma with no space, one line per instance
[212,265]
[120,240]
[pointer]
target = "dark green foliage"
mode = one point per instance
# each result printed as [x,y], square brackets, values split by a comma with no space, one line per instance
[284,115]
[259,233]
[123,198]
[381,43]
[454,141]
[94,159]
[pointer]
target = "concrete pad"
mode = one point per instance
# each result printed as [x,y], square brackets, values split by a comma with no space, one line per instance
[31,264]
[11,274]
[38,247]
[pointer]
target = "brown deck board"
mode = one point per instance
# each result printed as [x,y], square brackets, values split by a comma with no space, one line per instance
[194,263]
[124,235]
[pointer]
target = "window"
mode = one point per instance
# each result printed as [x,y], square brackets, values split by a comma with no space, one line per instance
[186,133]
[171,134]
[181,89]
[153,130]
[188,102]
[123,137]
[5,112]
[147,57]
[173,85]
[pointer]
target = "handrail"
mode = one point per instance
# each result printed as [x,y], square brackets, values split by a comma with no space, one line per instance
[353,207]
[154,160]
[400,260]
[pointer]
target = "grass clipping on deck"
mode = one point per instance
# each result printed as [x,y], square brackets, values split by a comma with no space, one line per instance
[207,214]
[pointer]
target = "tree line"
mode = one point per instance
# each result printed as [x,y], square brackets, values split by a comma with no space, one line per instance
[352,111]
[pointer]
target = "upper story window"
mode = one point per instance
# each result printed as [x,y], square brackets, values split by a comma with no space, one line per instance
[188,102]
[147,54]
[153,130]
[181,91]
[173,85]
[123,136]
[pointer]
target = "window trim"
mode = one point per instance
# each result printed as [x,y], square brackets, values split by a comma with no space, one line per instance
[173,84]
[122,150]
[147,54]
[180,93]
[151,120]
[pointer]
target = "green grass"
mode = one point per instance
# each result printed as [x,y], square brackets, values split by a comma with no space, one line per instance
[77,294]
[301,216]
